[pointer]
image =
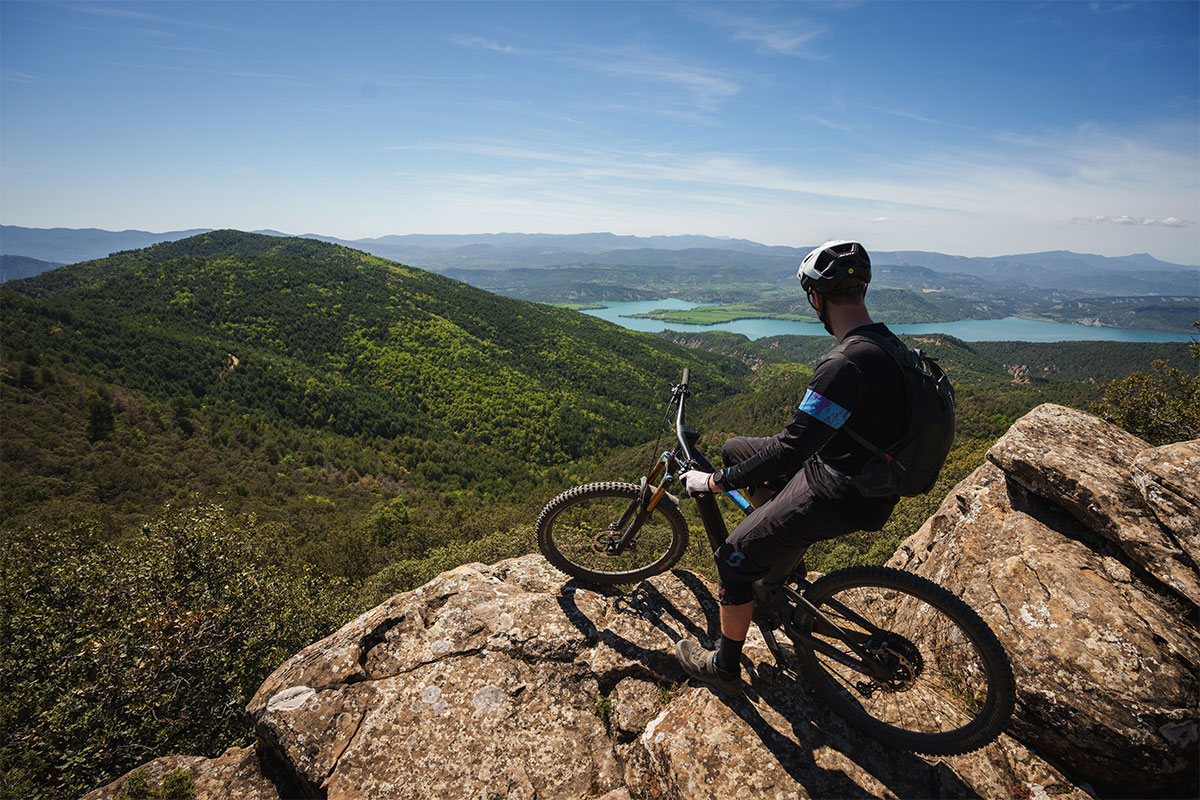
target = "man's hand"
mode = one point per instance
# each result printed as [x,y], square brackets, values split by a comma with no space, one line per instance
[697,482]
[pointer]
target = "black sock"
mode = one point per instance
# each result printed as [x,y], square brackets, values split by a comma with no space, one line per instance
[729,655]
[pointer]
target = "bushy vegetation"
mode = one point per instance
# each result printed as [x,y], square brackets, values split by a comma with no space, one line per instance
[114,653]
[1161,406]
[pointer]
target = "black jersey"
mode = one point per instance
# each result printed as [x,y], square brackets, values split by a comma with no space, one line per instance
[856,384]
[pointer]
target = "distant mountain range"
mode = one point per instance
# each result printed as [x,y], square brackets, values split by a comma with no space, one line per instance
[508,250]
[14,267]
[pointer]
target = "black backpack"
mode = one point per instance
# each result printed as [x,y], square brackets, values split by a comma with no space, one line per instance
[910,466]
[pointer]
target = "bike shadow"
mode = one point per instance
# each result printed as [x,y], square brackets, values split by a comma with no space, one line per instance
[641,629]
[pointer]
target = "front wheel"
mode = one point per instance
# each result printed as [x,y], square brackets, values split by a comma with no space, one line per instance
[577,530]
[949,688]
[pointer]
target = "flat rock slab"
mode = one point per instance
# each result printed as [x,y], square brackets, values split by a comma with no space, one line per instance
[512,681]
[1085,465]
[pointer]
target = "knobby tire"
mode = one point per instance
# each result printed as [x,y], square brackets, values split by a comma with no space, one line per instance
[963,692]
[571,524]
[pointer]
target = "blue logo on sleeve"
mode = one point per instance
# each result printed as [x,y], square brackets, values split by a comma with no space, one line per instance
[735,559]
[823,409]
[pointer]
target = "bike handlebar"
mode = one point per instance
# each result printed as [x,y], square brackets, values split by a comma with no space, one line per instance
[687,375]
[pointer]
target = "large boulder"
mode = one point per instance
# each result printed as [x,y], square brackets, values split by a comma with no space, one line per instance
[1086,466]
[1050,541]
[511,681]
[1169,478]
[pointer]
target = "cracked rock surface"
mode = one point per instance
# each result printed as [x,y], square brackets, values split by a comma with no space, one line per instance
[509,681]
[1053,544]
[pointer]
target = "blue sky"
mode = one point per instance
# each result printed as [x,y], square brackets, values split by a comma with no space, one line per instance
[973,128]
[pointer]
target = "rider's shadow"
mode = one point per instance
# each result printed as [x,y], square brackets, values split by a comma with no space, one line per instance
[634,650]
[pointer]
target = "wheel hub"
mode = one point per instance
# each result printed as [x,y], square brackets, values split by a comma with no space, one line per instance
[901,658]
[608,542]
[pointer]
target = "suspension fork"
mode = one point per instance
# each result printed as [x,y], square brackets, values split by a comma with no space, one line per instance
[644,504]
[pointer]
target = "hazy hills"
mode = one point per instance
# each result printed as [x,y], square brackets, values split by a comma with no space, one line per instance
[506,250]
[16,267]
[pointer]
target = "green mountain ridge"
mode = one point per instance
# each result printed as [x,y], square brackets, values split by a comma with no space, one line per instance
[327,337]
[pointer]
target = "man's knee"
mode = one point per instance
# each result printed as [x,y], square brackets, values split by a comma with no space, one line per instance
[729,451]
[734,576]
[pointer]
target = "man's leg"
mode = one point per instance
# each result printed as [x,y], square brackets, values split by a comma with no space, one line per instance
[779,531]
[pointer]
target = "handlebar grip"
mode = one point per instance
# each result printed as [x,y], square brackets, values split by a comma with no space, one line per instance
[687,374]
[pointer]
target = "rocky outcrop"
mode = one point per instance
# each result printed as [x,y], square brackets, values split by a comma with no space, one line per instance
[1076,542]
[239,772]
[1086,466]
[509,681]
[1055,545]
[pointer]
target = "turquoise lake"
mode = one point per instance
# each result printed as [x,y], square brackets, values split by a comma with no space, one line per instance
[1009,329]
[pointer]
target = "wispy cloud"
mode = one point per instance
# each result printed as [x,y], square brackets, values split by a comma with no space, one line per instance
[792,37]
[913,115]
[1032,185]
[481,43]
[124,13]
[204,51]
[1109,8]
[265,76]
[707,87]
[257,76]
[15,76]
[1168,222]
[142,16]
[827,123]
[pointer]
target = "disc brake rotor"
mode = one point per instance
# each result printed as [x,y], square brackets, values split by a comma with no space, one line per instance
[903,659]
[605,543]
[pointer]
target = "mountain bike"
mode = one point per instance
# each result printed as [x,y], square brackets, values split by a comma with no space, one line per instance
[894,654]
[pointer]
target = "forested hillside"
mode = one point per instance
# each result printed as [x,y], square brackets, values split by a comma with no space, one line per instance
[229,330]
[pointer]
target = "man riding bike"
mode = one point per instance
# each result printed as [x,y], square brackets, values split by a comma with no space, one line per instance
[800,478]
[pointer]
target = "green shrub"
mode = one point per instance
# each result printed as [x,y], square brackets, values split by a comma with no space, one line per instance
[112,654]
[177,785]
[1162,406]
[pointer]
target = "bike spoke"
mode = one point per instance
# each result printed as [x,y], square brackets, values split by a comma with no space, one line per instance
[582,531]
[943,696]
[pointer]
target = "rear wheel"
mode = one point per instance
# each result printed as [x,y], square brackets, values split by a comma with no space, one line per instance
[578,529]
[949,688]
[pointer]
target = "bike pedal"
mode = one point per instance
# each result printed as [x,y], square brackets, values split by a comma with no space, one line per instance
[768,624]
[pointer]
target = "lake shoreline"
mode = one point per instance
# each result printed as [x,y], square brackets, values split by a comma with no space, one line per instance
[636,315]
